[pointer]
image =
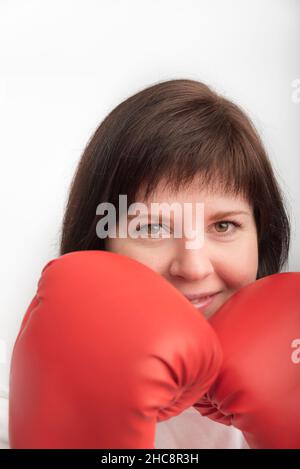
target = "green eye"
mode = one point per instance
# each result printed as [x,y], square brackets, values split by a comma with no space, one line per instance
[223,225]
[148,228]
[153,231]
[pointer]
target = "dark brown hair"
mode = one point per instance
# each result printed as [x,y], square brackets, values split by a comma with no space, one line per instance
[173,131]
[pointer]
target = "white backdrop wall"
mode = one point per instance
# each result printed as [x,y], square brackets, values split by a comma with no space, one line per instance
[64,64]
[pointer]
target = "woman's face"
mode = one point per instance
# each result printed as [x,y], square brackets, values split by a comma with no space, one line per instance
[226,261]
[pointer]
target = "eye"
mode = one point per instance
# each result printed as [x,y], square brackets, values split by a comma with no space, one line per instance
[152,230]
[224,226]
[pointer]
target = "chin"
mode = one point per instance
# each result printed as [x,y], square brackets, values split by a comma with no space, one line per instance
[208,314]
[211,311]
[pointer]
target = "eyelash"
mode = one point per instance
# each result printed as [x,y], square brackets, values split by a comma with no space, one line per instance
[150,224]
[223,234]
[234,223]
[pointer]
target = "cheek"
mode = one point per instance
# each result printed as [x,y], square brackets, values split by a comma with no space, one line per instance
[238,264]
[156,257]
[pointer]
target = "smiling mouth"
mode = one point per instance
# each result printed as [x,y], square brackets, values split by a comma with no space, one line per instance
[203,302]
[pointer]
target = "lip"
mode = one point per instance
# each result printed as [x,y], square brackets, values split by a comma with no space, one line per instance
[201,301]
[199,296]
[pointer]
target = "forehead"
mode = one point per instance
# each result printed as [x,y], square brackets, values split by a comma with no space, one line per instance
[214,198]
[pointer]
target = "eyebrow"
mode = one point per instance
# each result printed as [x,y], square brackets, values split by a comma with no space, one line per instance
[223,214]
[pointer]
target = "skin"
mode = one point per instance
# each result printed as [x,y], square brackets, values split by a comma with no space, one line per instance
[227,260]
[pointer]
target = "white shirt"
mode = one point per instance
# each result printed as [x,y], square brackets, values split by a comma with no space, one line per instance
[3,418]
[191,430]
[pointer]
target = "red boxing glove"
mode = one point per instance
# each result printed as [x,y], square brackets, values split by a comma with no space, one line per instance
[106,349]
[258,388]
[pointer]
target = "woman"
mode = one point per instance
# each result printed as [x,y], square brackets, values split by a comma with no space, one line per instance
[179,141]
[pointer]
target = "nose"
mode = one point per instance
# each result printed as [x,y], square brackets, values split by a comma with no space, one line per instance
[191,264]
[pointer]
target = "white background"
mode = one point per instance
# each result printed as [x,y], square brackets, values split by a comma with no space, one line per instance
[64,64]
